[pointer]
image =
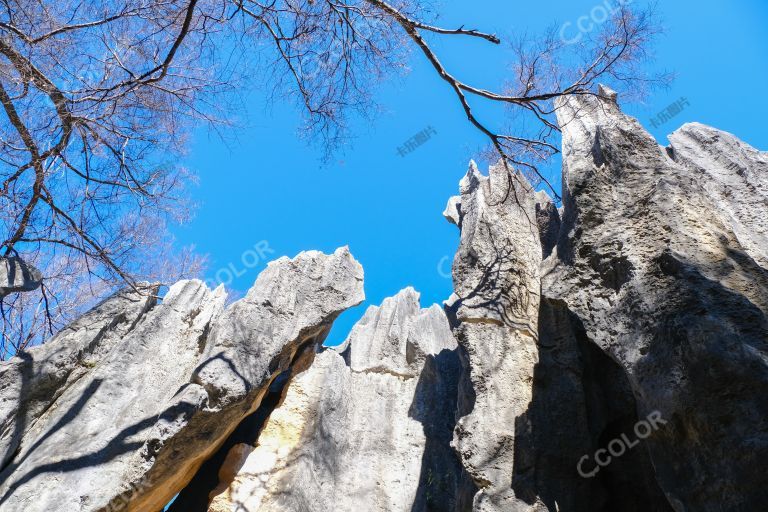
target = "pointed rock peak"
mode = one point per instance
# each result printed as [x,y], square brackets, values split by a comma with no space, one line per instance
[687,236]
[389,337]
[190,289]
[722,163]
[429,334]
[704,143]
[696,126]
[504,178]
[408,292]
[305,256]
[379,338]
[220,290]
[340,272]
[548,220]
[406,300]
[494,315]
[312,289]
[607,93]
[472,179]
[597,137]
[502,184]
[343,252]
[586,111]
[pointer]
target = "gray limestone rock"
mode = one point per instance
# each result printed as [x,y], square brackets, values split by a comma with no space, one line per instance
[643,298]
[661,259]
[33,380]
[734,175]
[152,392]
[452,211]
[581,401]
[548,219]
[17,276]
[365,429]
[85,448]
[494,312]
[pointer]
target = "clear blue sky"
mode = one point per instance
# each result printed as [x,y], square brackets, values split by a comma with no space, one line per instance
[268,185]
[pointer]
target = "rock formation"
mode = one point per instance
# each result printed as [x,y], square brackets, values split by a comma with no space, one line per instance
[494,310]
[17,276]
[131,399]
[33,381]
[661,257]
[366,427]
[607,355]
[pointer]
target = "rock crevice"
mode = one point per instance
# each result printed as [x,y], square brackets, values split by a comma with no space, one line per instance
[399,362]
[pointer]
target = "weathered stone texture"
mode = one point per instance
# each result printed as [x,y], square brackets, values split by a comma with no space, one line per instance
[17,276]
[133,397]
[365,429]
[494,311]
[662,261]
[644,295]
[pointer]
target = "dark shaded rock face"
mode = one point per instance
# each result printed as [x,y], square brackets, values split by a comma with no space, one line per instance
[662,259]
[645,389]
[610,355]
[582,401]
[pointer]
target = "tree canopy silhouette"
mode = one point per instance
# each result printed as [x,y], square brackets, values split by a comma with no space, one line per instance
[98,99]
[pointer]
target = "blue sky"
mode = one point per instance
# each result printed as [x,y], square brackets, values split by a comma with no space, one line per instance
[266,190]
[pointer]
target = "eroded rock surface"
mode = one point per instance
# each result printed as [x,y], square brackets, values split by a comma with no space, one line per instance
[548,220]
[366,427]
[661,258]
[163,394]
[494,311]
[32,381]
[85,447]
[17,276]
[644,296]
[735,176]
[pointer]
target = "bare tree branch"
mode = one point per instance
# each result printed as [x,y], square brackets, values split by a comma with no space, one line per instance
[98,99]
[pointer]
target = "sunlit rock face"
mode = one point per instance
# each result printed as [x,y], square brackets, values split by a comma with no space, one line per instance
[607,354]
[494,310]
[734,177]
[366,427]
[120,409]
[17,276]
